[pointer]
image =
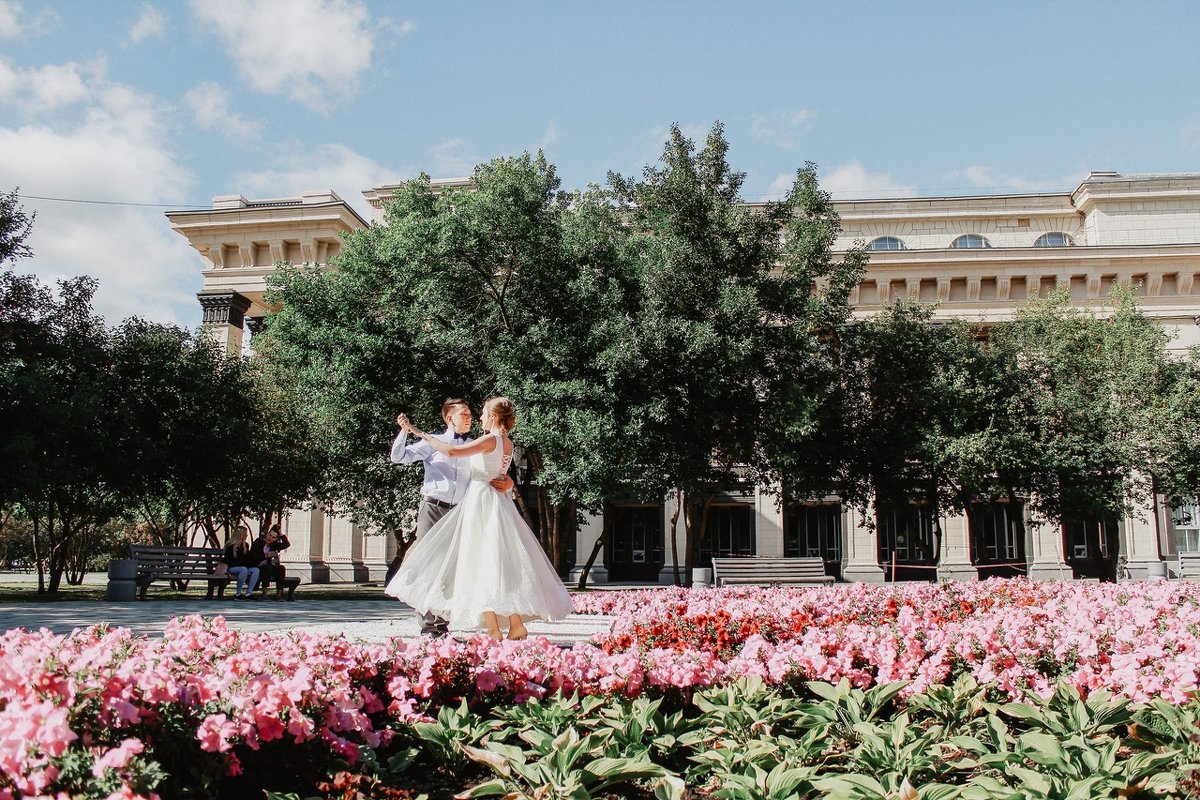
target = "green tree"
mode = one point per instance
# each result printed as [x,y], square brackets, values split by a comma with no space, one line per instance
[732,303]
[498,289]
[15,227]
[921,412]
[1093,383]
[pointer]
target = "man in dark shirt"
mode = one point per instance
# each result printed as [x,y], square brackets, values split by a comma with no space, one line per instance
[265,552]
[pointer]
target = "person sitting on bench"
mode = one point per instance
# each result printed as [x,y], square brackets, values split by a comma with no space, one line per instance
[243,565]
[266,550]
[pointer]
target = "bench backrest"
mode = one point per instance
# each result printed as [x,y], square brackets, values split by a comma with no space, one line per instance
[1189,565]
[769,567]
[182,561]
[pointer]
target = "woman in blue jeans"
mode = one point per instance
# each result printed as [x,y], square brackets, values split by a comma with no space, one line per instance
[241,563]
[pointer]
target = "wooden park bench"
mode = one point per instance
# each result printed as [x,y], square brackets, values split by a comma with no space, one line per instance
[181,564]
[768,571]
[290,583]
[1189,565]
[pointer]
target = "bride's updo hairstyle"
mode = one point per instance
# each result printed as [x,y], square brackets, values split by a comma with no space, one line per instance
[502,407]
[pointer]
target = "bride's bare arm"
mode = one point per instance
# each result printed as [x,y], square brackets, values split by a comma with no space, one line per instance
[483,445]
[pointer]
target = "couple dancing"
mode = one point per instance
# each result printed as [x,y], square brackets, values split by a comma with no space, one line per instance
[475,563]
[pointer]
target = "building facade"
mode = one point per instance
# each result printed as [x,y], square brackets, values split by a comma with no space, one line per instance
[978,258]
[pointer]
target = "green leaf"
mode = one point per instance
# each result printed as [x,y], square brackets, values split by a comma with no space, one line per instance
[492,788]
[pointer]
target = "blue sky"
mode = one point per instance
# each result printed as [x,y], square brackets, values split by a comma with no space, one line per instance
[172,103]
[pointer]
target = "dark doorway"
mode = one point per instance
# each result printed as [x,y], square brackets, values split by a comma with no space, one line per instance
[907,551]
[729,532]
[1091,547]
[998,539]
[635,549]
[815,531]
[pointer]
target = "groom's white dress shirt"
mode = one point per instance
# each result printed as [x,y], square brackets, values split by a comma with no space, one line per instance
[446,479]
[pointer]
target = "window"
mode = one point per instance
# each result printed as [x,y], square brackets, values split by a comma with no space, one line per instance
[813,531]
[730,532]
[907,532]
[998,533]
[886,243]
[1186,519]
[970,241]
[1056,239]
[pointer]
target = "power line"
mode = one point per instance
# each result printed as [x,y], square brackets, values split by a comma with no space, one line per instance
[111,202]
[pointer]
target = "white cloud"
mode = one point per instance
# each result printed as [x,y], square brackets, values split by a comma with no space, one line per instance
[10,25]
[451,159]
[399,28]
[312,50]
[116,151]
[151,23]
[989,179]
[549,137]
[1189,135]
[50,87]
[781,128]
[330,166]
[852,180]
[849,181]
[209,104]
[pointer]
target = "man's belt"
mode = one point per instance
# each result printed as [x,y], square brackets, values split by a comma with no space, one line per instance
[438,503]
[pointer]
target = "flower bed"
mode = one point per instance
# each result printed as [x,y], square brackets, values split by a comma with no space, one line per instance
[100,712]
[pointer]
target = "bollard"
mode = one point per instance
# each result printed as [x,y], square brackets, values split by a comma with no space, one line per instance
[122,579]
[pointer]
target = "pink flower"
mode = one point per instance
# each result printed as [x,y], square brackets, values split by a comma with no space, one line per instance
[117,757]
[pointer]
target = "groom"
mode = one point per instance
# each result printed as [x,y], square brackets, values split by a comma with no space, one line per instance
[445,482]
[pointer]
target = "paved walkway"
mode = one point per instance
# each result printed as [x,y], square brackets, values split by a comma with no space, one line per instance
[371,619]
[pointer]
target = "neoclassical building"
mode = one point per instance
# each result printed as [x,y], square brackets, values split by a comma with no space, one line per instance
[977,257]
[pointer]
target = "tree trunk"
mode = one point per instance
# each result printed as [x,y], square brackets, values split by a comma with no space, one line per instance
[596,548]
[37,550]
[675,537]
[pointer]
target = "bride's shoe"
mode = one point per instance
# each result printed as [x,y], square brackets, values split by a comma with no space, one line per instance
[517,632]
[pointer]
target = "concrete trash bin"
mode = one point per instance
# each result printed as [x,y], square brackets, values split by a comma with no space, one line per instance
[701,576]
[122,579]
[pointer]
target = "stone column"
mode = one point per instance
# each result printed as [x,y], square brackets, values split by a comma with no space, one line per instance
[954,558]
[1044,549]
[768,527]
[586,535]
[860,553]
[224,313]
[378,550]
[1139,542]
[343,551]
[666,576]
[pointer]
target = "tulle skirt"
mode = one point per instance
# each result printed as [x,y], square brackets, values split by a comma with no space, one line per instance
[480,557]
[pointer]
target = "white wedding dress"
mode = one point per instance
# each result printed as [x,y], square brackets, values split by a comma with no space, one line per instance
[481,557]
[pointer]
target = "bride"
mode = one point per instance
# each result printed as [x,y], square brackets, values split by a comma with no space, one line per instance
[481,564]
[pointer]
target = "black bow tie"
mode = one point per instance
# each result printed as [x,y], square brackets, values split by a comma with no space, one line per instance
[461,437]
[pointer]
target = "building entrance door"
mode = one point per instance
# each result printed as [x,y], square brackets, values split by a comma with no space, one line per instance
[635,549]
[1091,547]
[729,532]
[815,531]
[907,551]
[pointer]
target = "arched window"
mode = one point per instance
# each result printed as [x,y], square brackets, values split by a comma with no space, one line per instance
[1055,239]
[886,243]
[970,241]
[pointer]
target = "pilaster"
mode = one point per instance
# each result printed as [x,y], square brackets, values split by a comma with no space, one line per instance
[224,314]
[954,558]
[1044,550]
[1139,542]
[305,529]
[586,535]
[860,555]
